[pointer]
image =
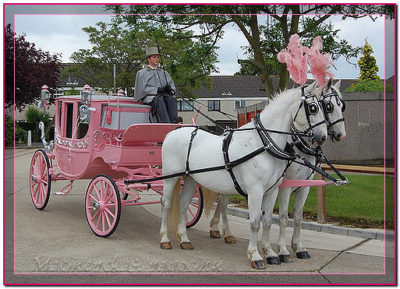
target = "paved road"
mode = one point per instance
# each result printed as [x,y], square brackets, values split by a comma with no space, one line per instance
[57,246]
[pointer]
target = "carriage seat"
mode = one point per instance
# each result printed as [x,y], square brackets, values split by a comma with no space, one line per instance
[120,117]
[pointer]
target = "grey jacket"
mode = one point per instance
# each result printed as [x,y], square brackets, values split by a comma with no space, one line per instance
[148,80]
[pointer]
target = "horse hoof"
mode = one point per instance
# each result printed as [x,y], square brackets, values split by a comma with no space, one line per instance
[230,240]
[285,259]
[166,245]
[303,255]
[273,260]
[186,246]
[215,234]
[259,264]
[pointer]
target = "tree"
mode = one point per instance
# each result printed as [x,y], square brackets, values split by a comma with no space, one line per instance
[33,69]
[367,64]
[265,40]
[189,62]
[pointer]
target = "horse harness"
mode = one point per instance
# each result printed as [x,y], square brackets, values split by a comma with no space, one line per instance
[328,107]
[268,143]
[269,146]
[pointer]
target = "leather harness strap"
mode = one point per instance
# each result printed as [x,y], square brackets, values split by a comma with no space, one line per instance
[228,166]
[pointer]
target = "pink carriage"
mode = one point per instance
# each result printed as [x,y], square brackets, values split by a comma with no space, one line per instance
[108,139]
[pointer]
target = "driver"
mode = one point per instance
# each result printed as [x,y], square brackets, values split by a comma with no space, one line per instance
[155,87]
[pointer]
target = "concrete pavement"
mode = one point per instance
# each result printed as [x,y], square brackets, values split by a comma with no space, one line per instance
[57,246]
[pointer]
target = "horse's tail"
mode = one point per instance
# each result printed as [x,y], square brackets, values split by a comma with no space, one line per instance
[209,198]
[173,215]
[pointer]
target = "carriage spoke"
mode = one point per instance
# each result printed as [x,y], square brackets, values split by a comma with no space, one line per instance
[43,195]
[190,211]
[97,191]
[36,169]
[40,195]
[108,198]
[196,205]
[94,216]
[98,219]
[103,223]
[91,196]
[107,218]
[109,212]
[35,190]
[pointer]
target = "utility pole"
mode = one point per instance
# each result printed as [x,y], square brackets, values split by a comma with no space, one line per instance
[115,75]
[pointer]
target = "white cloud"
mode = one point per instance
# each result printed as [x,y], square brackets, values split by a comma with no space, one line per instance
[58,33]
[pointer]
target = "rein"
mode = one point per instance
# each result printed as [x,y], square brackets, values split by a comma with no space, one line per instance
[268,146]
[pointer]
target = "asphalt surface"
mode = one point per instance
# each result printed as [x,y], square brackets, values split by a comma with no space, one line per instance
[56,246]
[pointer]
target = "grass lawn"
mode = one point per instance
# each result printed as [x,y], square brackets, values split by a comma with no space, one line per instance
[360,203]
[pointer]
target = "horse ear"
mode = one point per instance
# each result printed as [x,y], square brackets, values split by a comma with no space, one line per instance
[311,87]
[337,84]
[328,85]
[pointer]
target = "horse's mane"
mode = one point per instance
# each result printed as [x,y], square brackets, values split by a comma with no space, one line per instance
[277,95]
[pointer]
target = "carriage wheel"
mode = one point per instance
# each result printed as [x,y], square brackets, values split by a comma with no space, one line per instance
[40,179]
[102,206]
[195,208]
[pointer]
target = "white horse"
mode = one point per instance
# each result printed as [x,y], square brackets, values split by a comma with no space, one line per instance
[259,176]
[333,108]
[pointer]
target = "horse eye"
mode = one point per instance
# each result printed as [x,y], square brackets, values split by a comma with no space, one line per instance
[313,108]
[329,107]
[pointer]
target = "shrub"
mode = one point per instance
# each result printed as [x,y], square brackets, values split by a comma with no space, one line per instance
[369,85]
[34,115]
[21,135]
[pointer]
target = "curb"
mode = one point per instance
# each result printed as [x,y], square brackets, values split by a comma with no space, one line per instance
[326,228]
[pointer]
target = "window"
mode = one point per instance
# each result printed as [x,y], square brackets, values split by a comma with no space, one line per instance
[184,106]
[83,126]
[70,112]
[239,103]
[213,105]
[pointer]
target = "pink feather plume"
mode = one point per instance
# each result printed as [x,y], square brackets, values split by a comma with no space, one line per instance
[319,63]
[297,58]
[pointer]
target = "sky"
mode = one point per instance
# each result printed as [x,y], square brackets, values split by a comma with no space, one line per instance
[61,32]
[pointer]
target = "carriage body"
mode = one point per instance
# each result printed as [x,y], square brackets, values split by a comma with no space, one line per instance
[113,136]
[108,139]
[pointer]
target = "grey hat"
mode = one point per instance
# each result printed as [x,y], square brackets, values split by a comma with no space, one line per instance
[151,51]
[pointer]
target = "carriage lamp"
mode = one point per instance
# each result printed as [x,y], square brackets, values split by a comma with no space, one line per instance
[86,95]
[45,94]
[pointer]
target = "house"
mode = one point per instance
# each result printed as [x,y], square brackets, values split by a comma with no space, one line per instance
[222,99]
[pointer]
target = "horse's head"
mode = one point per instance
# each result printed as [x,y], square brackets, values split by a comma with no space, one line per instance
[333,107]
[309,118]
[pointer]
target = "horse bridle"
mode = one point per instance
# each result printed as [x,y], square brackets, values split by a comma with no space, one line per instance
[311,108]
[328,107]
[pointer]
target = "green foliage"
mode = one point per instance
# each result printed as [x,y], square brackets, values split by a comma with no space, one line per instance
[72,91]
[369,85]
[359,203]
[123,43]
[34,115]
[111,44]
[265,39]
[21,135]
[367,64]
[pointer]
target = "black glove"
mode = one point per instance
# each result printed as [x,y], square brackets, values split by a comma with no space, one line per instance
[169,89]
[162,89]
[165,89]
